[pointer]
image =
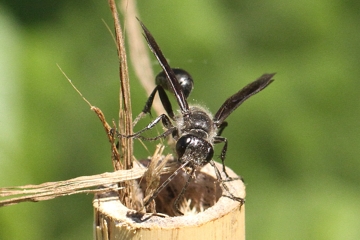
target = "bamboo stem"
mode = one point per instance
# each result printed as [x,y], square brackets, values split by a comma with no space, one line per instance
[224,220]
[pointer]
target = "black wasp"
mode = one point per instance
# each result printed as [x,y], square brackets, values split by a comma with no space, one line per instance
[195,130]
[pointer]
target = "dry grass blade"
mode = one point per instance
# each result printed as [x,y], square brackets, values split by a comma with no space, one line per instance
[125,113]
[115,154]
[129,195]
[155,169]
[50,190]
[139,52]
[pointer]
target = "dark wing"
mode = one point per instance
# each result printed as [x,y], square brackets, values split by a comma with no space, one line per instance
[238,98]
[170,75]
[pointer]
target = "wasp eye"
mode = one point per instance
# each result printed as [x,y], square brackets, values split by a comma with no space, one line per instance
[182,144]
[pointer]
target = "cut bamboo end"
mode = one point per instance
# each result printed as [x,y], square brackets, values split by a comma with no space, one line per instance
[224,220]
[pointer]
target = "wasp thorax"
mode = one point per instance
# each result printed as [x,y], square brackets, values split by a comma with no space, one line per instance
[199,120]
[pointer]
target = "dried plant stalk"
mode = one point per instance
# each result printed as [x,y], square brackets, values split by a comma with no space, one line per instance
[115,153]
[139,52]
[50,190]
[125,113]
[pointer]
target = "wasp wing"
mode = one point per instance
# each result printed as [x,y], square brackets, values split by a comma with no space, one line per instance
[170,75]
[238,98]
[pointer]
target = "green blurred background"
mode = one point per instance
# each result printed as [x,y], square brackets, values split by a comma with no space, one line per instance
[296,143]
